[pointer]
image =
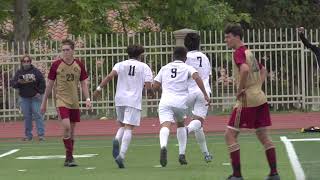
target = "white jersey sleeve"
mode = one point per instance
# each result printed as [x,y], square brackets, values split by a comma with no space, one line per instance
[148,74]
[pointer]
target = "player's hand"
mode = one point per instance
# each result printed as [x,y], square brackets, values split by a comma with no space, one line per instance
[88,103]
[43,108]
[301,30]
[96,94]
[241,93]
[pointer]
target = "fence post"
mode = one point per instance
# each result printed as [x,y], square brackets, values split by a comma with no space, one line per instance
[180,34]
[303,76]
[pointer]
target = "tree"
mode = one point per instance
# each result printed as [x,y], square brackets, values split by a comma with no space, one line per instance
[195,14]
[280,13]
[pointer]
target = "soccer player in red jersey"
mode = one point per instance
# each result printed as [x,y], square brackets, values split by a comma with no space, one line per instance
[67,72]
[251,110]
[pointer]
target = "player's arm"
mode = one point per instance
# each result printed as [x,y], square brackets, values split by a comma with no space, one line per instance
[156,86]
[244,72]
[200,84]
[85,91]
[47,92]
[263,74]
[104,82]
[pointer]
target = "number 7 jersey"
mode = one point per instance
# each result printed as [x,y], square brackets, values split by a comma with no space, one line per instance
[132,74]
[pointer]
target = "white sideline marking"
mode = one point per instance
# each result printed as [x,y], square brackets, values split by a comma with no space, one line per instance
[311,139]
[296,166]
[9,152]
[22,170]
[56,156]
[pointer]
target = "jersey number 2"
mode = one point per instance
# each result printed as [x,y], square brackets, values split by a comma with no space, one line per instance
[131,70]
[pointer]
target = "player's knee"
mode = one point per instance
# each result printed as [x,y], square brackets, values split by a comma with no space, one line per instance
[268,145]
[180,124]
[233,147]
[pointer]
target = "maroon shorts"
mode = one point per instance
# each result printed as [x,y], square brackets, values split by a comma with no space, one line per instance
[251,117]
[66,113]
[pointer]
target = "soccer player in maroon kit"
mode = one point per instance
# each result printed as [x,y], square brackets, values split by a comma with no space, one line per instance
[251,110]
[67,72]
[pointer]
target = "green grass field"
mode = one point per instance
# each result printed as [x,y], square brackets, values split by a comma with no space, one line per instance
[142,161]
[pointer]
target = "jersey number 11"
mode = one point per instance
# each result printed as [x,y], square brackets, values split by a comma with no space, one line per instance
[131,70]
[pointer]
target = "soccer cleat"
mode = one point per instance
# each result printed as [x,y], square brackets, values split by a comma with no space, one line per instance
[27,139]
[41,138]
[273,177]
[119,161]
[182,159]
[234,178]
[70,163]
[163,156]
[115,148]
[208,158]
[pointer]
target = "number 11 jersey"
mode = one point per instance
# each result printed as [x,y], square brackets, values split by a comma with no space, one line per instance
[132,74]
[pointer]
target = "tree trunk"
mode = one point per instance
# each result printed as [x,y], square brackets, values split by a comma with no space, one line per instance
[21,26]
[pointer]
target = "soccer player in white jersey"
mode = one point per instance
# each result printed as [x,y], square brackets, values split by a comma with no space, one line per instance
[132,75]
[196,102]
[172,78]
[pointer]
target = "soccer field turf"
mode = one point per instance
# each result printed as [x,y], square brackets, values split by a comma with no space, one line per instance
[142,161]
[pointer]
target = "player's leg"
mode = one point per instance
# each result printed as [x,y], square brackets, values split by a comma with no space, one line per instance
[131,119]
[182,141]
[118,138]
[25,105]
[261,122]
[199,113]
[231,139]
[166,119]
[38,117]
[270,152]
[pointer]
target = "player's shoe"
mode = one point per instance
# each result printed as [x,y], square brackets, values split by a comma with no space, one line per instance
[208,158]
[273,177]
[182,159]
[234,178]
[115,148]
[70,163]
[163,156]
[119,161]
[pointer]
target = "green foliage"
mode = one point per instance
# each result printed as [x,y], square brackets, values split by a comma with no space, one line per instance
[280,13]
[195,14]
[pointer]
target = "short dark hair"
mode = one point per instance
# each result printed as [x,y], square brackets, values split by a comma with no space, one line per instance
[135,50]
[68,42]
[192,41]
[234,29]
[179,53]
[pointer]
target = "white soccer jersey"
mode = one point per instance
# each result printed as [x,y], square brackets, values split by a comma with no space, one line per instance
[173,78]
[132,74]
[201,63]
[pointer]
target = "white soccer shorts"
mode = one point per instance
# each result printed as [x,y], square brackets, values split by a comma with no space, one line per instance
[128,115]
[171,114]
[197,105]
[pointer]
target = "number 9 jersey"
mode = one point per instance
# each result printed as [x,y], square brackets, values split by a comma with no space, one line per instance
[173,78]
[67,77]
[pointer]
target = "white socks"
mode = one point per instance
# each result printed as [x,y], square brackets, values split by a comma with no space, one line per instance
[201,139]
[194,125]
[164,135]
[126,139]
[182,139]
[119,134]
